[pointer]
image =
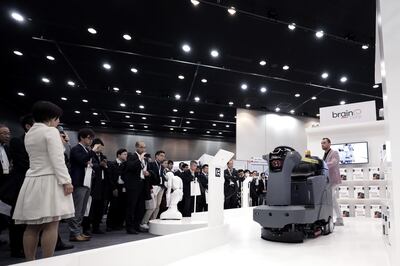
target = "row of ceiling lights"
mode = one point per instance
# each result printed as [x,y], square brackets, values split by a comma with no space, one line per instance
[319,34]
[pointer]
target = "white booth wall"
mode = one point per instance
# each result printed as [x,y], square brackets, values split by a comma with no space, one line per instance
[258,133]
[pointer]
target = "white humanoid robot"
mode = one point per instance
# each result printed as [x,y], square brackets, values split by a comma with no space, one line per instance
[174,196]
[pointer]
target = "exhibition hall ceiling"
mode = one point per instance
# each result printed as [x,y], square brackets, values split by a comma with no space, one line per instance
[184,66]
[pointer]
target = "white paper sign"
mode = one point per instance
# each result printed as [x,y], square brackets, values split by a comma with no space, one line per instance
[359,192]
[195,189]
[360,210]
[345,210]
[348,113]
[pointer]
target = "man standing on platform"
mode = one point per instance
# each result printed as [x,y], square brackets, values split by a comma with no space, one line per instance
[332,159]
[230,186]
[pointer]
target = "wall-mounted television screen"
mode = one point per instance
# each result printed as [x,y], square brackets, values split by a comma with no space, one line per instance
[352,153]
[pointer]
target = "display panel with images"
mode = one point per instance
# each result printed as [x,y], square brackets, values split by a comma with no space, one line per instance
[352,153]
[374,192]
[374,173]
[359,210]
[359,192]
[343,192]
[376,211]
[345,210]
[358,173]
[343,174]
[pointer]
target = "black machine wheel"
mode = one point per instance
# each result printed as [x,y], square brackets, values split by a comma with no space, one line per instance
[329,226]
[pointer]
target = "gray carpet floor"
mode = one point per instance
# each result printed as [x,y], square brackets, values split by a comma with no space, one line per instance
[97,241]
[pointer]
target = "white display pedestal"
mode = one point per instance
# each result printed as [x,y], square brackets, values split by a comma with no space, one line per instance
[166,227]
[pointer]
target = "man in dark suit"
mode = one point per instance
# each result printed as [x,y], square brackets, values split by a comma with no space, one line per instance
[182,168]
[158,180]
[117,210]
[80,158]
[99,186]
[262,189]
[230,186]
[5,177]
[187,200]
[203,180]
[134,174]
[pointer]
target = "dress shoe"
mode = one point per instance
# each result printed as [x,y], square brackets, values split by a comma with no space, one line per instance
[97,231]
[63,246]
[131,232]
[79,238]
[86,235]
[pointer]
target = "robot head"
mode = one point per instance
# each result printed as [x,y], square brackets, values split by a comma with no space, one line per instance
[169,175]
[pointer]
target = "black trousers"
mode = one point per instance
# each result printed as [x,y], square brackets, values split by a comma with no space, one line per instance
[96,212]
[254,201]
[201,203]
[135,206]
[117,210]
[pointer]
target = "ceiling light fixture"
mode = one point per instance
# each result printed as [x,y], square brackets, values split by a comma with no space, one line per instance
[186,48]
[122,104]
[195,2]
[324,75]
[343,79]
[17,53]
[214,53]
[232,10]
[319,34]
[292,111]
[95,113]
[92,31]
[144,118]
[45,80]
[317,115]
[188,122]
[131,125]
[277,109]
[18,17]
[85,101]
[134,70]
[184,130]
[191,112]
[292,26]
[375,86]
[248,105]
[77,112]
[365,46]
[127,116]
[227,126]
[103,123]
[204,80]
[141,106]
[221,115]
[220,133]
[51,58]
[263,63]
[173,120]
[244,86]
[127,37]
[177,96]
[181,77]
[138,91]
[342,102]
[64,99]
[263,89]
[115,88]
[196,99]
[87,122]
[107,66]
[313,98]
[230,103]
[171,129]
[208,132]
[214,125]
[297,95]
[285,67]
[175,110]
[145,126]
[21,94]
[71,83]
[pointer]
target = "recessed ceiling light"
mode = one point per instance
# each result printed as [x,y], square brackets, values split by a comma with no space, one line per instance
[92,31]
[365,46]
[122,104]
[51,58]
[221,115]
[17,53]
[313,98]
[292,26]
[204,80]
[285,67]
[181,77]
[107,66]
[134,70]
[220,133]
[184,129]
[208,132]
[343,79]
[227,126]
[342,102]
[127,37]
[141,106]
[186,48]
[45,80]
[64,99]
[138,91]
[376,86]
[214,125]
[95,113]
[277,109]
[297,95]
[18,17]
[244,86]
[145,126]
[77,112]
[191,112]
[214,53]
[263,63]
[131,125]
[248,105]
[188,122]
[127,116]
[292,111]
[115,89]
[87,122]
[21,94]
[177,96]
[144,118]
[232,10]
[85,101]
[71,83]
[324,75]
[230,103]
[197,99]
[317,115]
[171,129]
[103,123]
[319,34]
[195,2]
[173,120]
[174,110]
[263,89]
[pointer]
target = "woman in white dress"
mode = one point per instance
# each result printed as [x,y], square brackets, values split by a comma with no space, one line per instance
[45,197]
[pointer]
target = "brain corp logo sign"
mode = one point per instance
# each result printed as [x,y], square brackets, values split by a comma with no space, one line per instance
[348,114]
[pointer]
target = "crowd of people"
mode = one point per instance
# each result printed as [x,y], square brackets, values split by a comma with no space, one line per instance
[44,181]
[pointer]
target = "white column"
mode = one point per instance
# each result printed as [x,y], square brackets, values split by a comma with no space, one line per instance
[389,42]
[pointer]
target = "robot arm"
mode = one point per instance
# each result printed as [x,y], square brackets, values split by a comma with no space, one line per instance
[168,194]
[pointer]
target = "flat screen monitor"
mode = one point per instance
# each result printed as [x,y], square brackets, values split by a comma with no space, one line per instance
[352,153]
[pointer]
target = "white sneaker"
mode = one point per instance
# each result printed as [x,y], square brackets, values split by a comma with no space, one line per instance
[144,227]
